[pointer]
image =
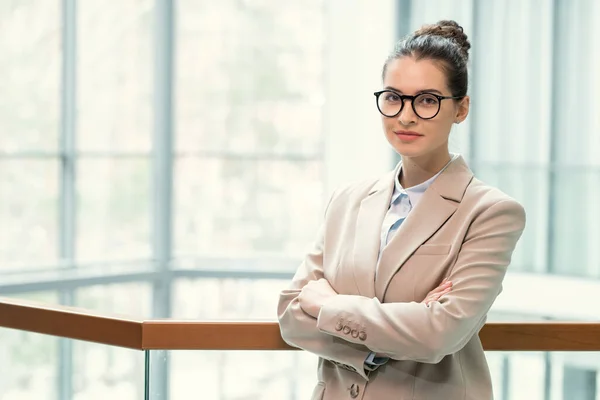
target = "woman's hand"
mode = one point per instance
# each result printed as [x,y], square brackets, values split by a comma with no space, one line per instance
[438,292]
[313,295]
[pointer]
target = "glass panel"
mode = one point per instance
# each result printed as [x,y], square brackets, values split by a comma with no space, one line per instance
[114,210]
[29,213]
[29,361]
[130,299]
[579,383]
[114,75]
[30,369]
[266,374]
[501,88]
[252,82]
[30,44]
[576,222]
[226,299]
[577,84]
[227,206]
[102,372]
[539,375]
[29,364]
[229,375]
[107,372]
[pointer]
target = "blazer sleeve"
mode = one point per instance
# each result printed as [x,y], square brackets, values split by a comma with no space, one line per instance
[300,330]
[414,331]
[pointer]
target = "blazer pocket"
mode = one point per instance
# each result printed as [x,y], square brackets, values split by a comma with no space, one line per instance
[318,392]
[432,250]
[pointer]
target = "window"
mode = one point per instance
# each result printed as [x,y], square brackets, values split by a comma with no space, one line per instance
[205,137]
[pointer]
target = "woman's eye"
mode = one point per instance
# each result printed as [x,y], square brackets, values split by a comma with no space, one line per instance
[428,101]
[392,97]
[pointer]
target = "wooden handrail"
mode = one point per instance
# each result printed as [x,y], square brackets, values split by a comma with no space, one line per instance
[74,323]
[70,322]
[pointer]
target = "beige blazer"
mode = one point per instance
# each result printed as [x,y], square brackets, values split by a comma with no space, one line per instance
[461,229]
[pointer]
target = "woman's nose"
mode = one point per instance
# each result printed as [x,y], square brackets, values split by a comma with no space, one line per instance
[407,116]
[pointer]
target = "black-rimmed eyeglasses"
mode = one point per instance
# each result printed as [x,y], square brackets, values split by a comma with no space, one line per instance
[425,105]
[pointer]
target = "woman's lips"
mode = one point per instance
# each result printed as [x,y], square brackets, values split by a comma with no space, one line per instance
[407,136]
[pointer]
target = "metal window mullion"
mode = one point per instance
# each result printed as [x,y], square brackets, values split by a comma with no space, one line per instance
[403,18]
[403,25]
[162,159]
[557,76]
[67,202]
[505,377]
[162,163]
[474,74]
[67,136]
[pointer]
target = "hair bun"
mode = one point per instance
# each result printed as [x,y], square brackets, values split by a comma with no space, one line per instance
[448,29]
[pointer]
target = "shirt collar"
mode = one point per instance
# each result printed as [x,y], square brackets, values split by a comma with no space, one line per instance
[416,192]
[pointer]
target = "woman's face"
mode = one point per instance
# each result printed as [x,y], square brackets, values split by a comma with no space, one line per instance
[410,135]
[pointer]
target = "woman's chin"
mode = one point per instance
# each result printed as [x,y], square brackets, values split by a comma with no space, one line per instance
[409,151]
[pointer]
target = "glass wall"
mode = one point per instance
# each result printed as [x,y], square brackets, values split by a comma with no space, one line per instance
[205,138]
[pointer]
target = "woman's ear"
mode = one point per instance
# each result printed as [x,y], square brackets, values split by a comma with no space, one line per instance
[462,110]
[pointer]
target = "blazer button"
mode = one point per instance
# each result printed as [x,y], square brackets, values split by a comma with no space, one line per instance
[354,390]
[362,335]
[354,333]
[339,326]
[346,329]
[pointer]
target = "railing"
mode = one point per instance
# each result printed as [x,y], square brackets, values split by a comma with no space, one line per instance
[163,335]
[122,331]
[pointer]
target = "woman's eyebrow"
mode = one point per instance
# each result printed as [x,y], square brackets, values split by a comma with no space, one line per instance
[420,91]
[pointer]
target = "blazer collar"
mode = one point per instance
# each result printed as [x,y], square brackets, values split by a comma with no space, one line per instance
[454,180]
[451,184]
[438,204]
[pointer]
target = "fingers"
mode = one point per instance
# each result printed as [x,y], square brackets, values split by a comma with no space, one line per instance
[443,286]
[437,293]
[445,291]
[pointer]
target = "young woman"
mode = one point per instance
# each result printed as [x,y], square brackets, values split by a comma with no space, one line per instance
[405,268]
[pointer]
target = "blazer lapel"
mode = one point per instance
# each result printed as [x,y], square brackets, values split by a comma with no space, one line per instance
[438,204]
[367,240]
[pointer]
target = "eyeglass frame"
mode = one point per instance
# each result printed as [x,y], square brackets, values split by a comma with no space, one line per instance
[404,97]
